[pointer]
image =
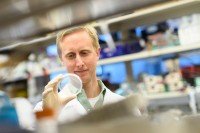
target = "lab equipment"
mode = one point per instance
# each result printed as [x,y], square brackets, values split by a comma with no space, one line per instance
[70,84]
[8,114]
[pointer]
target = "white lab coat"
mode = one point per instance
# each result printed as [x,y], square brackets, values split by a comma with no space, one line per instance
[74,110]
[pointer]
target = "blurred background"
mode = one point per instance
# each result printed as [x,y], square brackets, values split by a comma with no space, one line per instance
[149,47]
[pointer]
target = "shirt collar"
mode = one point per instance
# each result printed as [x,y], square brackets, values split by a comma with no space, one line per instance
[101,85]
[82,97]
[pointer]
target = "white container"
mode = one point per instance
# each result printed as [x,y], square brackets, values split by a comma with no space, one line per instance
[184,31]
[195,28]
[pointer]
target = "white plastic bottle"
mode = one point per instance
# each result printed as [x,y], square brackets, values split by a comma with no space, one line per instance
[184,31]
[195,28]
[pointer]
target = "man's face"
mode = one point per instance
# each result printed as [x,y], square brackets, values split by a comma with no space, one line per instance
[79,56]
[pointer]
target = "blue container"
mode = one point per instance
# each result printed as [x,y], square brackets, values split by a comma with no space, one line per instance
[133,47]
[8,114]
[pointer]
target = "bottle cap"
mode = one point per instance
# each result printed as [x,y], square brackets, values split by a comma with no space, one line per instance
[46,112]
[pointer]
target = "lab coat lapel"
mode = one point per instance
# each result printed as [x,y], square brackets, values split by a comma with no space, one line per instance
[107,97]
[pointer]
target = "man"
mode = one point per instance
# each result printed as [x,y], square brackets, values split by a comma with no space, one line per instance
[79,51]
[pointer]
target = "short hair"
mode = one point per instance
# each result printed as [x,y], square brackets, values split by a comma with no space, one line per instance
[88,28]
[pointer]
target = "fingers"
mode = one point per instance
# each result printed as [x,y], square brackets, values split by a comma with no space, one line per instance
[56,79]
[45,98]
[53,83]
[50,99]
[46,91]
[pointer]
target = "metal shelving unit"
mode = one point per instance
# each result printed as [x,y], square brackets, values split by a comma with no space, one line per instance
[174,98]
[156,13]
[42,17]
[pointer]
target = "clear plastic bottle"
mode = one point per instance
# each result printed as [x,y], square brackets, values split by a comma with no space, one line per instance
[46,122]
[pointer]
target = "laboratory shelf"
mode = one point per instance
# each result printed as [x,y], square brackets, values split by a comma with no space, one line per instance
[151,15]
[166,95]
[174,98]
[152,53]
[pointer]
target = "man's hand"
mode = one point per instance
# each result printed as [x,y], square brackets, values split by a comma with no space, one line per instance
[51,98]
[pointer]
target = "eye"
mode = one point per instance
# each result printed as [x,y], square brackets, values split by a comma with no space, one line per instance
[70,56]
[84,53]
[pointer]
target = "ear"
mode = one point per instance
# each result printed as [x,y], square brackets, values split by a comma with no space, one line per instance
[61,61]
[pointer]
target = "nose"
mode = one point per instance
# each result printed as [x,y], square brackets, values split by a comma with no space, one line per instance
[79,62]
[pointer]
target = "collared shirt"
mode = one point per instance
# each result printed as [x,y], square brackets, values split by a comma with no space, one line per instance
[82,98]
